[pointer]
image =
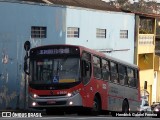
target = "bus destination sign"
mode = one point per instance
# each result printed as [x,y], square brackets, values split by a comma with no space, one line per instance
[54,51]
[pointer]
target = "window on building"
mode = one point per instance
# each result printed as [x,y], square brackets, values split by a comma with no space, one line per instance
[73,32]
[38,32]
[124,34]
[101,33]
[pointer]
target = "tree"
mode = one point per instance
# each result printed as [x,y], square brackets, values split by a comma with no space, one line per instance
[140,6]
[153,6]
[123,4]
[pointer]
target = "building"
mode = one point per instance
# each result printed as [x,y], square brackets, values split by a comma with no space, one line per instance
[63,22]
[145,55]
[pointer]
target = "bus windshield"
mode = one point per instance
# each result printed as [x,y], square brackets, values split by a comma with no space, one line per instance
[54,71]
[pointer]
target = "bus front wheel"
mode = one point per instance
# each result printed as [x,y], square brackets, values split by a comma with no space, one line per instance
[96,106]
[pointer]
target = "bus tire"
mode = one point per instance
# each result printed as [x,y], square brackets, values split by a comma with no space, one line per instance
[96,107]
[125,107]
[113,113]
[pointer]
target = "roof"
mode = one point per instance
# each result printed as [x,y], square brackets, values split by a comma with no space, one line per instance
[36,1]
[150,15]
[93,4]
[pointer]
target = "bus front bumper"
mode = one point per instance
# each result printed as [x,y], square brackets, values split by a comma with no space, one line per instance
[55,101]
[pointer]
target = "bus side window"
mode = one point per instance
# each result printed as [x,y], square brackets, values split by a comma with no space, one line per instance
[114,72]
[97,67]
[122,74]
[131,79]
[105,70]
[86,67]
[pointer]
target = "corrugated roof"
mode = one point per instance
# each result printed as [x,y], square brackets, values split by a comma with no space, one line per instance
[147,15]
[93,4]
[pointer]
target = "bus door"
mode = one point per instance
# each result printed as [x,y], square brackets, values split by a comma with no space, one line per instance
[86,70]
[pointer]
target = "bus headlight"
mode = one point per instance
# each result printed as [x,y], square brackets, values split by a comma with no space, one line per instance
[73,93]
[70,103]
[34,104]
[69,94]
[156,109]
[34,95]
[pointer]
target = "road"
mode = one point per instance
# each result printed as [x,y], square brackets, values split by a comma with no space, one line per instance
[13,115]
[74,117]
[80,118]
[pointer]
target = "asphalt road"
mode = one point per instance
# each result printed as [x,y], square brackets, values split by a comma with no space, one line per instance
[73,117]
[81,118]
[41,116]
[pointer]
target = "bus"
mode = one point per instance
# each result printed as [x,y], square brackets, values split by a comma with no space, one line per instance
[72,78]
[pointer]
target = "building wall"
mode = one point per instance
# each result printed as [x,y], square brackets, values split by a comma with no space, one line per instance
[145,55]
[15,28]
[158,86]
[157,78]
[89,20]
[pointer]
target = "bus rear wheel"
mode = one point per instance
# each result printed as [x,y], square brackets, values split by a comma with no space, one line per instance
[125,107]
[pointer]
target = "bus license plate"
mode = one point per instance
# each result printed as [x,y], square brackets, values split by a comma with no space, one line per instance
[51,102]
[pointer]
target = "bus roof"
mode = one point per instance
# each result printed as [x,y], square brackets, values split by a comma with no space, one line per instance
[97,53]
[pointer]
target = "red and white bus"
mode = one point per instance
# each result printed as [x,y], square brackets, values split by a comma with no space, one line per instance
[66,78]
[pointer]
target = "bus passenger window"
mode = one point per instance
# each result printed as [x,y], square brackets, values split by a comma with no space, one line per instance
[97,67]
[131,80]
[122,73]
[105,70]
[126,81]
[86,67]
[114,74]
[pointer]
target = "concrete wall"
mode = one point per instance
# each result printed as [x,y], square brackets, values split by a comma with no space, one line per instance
[16,20]
[88,20]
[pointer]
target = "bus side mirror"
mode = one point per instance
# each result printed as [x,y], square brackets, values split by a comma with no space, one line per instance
[26,64]
[27,46]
